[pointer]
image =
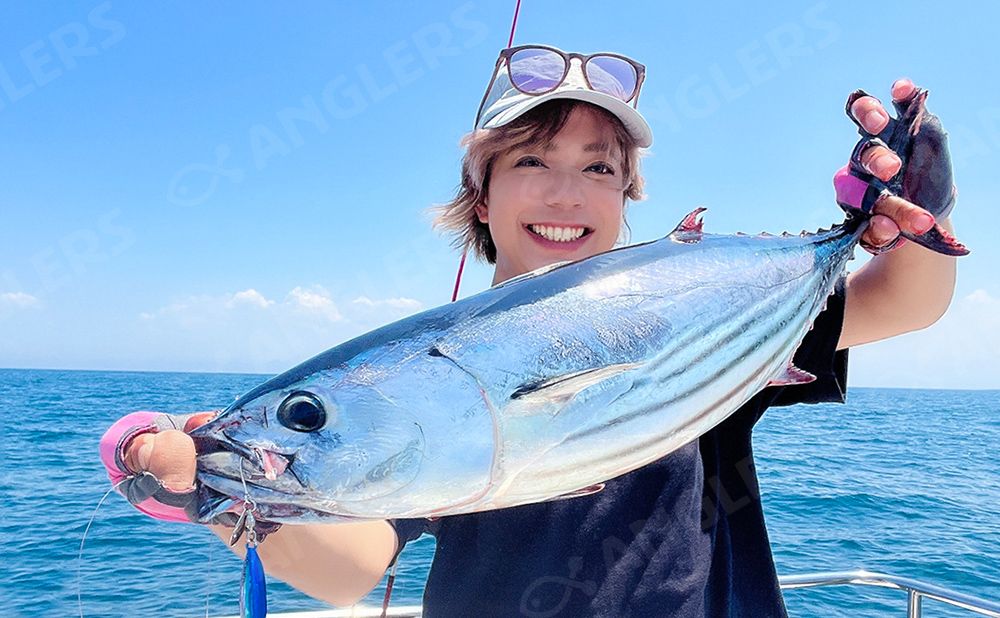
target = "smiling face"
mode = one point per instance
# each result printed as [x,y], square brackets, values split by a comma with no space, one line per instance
[561,200]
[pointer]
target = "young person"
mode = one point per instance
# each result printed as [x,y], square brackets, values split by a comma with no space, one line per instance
[547,177]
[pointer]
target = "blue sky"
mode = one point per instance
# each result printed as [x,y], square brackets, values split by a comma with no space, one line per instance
[191,188]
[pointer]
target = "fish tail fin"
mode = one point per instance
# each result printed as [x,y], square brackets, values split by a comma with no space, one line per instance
[938,239]
[925,176]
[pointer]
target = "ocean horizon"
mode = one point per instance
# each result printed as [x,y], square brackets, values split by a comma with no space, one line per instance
[264,376]
[896,480]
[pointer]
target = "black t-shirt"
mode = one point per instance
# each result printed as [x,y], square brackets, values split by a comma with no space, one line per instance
[683,536]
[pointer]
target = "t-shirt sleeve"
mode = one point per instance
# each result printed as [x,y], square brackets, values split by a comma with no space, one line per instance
[408,530]
[819,356]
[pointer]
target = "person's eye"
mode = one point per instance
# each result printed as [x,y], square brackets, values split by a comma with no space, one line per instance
[602,168]
[528,162]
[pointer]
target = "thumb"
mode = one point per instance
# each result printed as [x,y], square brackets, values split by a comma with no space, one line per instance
[139,452]
[907,216]
[168,455]
[173,460]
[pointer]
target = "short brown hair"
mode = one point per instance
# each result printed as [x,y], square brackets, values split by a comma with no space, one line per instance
[483,147]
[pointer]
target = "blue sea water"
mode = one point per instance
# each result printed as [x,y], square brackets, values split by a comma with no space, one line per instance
[901,481]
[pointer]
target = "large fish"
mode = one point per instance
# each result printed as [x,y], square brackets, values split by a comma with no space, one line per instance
[548,384]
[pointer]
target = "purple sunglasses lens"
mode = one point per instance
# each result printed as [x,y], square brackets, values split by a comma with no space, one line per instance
[613,76]
[536,71]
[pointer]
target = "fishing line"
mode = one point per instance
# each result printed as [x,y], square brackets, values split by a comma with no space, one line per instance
[465,248]
[208,578]
[79,556]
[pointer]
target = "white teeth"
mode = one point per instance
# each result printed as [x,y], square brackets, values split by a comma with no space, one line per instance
[558,234]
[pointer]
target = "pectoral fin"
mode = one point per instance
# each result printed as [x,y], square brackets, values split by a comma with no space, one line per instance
[562,388]
[791,375]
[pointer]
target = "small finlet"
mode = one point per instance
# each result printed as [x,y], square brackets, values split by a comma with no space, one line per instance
[792,375]
[689,229]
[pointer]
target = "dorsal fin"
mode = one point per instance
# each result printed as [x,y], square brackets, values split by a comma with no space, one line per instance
[689,229]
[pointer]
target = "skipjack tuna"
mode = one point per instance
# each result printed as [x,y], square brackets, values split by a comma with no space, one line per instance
[548,384]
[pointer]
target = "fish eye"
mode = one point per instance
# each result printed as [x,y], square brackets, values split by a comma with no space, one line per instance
[302,411]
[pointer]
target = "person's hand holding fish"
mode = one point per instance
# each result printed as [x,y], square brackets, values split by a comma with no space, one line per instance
[158,445]
[152,460]
[168,455]
[923,168]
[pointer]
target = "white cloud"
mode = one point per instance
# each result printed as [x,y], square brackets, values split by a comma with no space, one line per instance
[369,312]
[246,331]
[962,350]
[401,304]
[250,297]
[316,300]
[18,300]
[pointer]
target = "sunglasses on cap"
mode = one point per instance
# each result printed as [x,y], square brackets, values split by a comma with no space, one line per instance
[536,70]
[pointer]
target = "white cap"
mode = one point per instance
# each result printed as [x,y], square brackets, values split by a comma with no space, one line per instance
[504,103]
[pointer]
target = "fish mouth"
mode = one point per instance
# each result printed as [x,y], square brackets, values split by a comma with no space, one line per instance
[213,503]
[230,473]
[265,463]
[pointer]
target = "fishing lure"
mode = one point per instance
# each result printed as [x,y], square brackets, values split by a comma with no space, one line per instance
[253,584]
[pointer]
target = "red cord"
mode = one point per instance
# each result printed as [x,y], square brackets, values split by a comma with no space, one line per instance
[465,250]
[458,278]
[517,9]
[388,588]
[454,297]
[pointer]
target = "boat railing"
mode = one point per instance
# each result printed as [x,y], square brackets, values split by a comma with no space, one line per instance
[916,591]
[358,611]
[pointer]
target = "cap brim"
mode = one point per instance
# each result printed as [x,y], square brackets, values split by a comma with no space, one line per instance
[633,121]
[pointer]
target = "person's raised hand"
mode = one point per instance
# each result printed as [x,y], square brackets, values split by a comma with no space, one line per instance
[891,213]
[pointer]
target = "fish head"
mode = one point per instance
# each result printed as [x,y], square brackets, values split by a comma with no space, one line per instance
[308,448]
